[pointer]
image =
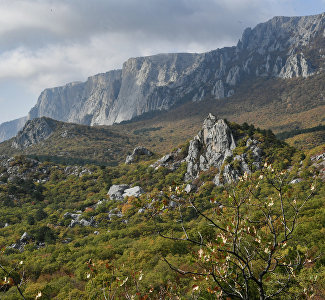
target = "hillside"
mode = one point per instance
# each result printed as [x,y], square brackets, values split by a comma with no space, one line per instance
[72,232]
[286,106]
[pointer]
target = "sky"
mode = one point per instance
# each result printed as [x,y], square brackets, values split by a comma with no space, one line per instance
[48,43]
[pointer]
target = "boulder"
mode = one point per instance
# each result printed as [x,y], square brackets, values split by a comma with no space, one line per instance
[137,152]
[133,192]
[114,213]
[25,237]
[116,191]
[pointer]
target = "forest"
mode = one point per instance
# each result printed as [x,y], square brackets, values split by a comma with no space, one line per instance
[261,237]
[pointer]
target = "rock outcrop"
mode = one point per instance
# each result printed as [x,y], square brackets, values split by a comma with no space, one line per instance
[214,147]
[120,191]
[10,129]
[137,153]
[240,166]
[279,47]
[213,144]
[34,132]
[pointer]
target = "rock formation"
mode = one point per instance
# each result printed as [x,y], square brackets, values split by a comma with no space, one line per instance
[213,144]
[34,131]
[137,153]
[120,191]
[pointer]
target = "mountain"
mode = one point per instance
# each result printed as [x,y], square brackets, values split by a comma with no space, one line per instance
[293,107]
[80,232]
[283,47]
[51,140]
[10,129]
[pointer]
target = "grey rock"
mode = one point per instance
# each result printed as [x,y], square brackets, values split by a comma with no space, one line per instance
[172,204]
[85,223]
[318,157]
[96,232]
[296,65]
[82,222]
[116,191]
[133,192]
[74,217]
[141,211]
[114,213]
[137,152]
[213,144]
[25,237]
[233,76]
[296,180]
[168,161]
[10,129]
[218,90]
[34,132]
[188,188]
[230,174]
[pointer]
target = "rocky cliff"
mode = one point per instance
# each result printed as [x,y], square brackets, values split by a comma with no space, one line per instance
[10,129]
[34,131]
[283,47]
[215,147]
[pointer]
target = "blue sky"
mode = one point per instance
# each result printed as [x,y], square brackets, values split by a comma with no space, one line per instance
[47,43]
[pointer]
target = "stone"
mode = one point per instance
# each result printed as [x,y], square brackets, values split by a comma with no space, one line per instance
[172,204]
[188,188]
[84,222]
[116,191]
[168,161]
[114,213]
[34,132]
[133,192]
[296,180]
[72,216]
[25,237]
[137,152]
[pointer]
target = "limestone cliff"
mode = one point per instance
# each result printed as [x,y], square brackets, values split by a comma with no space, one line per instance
[282,47]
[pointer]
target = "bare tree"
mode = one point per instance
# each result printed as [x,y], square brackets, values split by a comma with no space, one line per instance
[12,278]
[254,221]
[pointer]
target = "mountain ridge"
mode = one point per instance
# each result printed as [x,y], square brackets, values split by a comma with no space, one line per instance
[276,48]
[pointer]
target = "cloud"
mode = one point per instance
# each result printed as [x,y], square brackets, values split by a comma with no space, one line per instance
[46,43]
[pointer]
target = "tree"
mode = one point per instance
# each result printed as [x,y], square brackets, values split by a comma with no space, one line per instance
[12,277]
[252,252]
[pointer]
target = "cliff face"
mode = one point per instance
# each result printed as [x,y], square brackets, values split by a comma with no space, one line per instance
[282,47]
[81,102]
[10,129]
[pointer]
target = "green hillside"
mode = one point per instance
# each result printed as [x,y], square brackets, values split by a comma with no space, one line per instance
[125,252]
[280,105]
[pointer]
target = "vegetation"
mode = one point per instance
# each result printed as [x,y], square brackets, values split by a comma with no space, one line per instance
[266,238]
[281,105]
[288,134]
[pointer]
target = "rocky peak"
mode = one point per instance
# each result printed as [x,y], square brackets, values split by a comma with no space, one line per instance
[34,131]
[213,144]
[280,47]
